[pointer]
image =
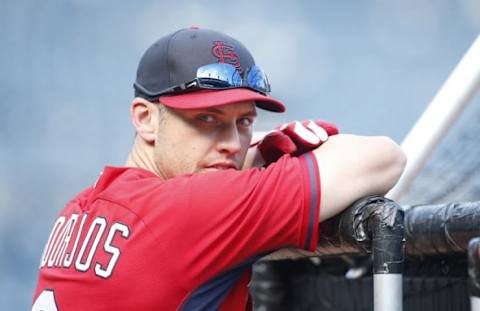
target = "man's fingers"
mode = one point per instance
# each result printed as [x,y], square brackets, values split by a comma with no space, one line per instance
[295,138]
[302,135]
[331,128]
[320,132]
[280,141]
[274,145]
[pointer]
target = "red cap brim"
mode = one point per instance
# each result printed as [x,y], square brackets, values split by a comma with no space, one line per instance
[212,98]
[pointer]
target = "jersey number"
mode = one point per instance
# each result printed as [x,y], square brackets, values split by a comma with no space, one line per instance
[45,301]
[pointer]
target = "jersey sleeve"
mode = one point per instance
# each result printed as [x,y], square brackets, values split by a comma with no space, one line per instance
[223,218]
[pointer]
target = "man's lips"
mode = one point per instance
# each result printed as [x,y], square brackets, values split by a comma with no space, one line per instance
[222,165]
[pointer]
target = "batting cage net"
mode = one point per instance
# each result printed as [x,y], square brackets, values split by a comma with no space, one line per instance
[433,283]
[430,281]
[453,172]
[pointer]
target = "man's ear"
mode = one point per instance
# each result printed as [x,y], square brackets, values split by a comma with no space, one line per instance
[144,117]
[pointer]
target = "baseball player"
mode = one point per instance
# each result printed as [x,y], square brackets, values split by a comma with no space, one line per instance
[197,202]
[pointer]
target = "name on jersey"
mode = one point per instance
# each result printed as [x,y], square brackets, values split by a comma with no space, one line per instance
[65,249]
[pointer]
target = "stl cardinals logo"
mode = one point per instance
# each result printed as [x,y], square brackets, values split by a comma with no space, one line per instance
[226,54]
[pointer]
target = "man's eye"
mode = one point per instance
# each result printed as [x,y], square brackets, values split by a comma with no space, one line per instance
[206,118]
[245,122]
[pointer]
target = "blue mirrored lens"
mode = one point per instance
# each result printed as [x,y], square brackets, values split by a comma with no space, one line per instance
[257,79]
[221,75]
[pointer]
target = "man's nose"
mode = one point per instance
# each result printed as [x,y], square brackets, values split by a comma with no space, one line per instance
[229,141]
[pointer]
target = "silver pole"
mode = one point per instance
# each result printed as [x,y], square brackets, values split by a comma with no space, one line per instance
[387,292]
[475,303]
[474,273]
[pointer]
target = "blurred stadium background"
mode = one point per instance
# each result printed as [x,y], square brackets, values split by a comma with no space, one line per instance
[66,84]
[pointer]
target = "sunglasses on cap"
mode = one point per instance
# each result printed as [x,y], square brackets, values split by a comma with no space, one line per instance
[218,76]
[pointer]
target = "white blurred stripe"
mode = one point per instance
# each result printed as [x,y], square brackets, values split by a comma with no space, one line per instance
[439,117]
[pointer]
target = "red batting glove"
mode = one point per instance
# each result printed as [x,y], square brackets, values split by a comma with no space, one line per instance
[295,138]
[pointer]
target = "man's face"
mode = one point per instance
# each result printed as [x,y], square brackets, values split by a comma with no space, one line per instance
[202,140]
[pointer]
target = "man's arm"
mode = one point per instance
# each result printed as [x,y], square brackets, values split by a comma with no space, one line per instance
[353,166]
[350,167]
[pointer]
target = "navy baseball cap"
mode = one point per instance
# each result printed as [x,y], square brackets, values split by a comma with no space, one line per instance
[174,59]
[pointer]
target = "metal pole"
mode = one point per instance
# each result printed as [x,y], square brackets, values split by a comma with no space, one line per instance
[372,224]
[474,303]
[474,273]
[387,292]
[388,251]
[438,118]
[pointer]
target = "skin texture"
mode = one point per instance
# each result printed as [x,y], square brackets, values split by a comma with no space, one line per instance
[353,166]
[172,142]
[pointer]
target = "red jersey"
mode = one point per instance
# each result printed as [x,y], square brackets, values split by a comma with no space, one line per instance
[137,242]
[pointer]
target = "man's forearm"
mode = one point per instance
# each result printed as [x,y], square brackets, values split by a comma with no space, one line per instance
[253,159]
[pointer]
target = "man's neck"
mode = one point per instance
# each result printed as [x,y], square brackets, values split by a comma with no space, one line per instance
[140,157]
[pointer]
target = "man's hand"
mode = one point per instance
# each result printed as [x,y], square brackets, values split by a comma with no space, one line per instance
[294,138]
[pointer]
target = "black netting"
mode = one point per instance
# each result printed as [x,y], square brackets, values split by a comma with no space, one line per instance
[438,284]
[453,172]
